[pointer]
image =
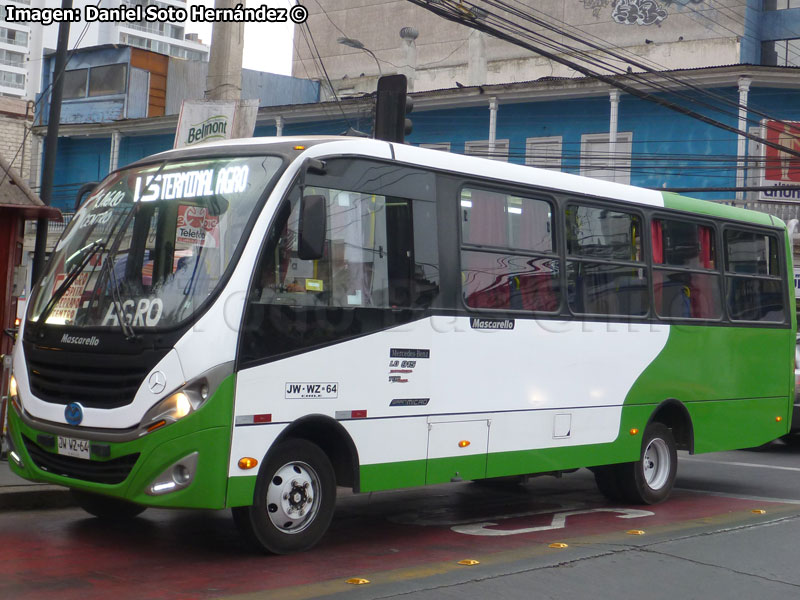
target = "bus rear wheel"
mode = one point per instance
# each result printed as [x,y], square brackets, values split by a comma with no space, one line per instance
[106,507]
[650,479]
[294,499]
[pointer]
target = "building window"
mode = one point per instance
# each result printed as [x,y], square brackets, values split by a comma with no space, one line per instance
[781,4]
[443,146]
[481,148]
[543,152]
[14,80]
[13,36]
[597,162]
[12,59]
[107,80]
[781,53]
[75,83]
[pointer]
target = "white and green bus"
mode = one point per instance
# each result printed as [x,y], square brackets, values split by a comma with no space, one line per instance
[253,323]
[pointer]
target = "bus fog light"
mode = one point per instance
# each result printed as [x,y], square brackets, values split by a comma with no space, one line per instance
[175,477]
[181,475]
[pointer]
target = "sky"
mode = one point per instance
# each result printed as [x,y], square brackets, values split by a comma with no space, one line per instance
[267,46]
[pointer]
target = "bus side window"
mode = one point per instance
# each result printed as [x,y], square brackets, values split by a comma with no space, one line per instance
[508,256]
[606,272]
[370,258]
[686,283]
[754,286]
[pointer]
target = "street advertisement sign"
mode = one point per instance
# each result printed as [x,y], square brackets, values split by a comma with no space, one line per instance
[781,169]
[213,120]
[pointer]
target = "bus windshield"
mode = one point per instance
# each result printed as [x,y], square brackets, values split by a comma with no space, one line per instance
[151,243]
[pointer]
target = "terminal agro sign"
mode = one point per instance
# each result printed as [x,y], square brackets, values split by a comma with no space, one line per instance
[781,169]
[209,121]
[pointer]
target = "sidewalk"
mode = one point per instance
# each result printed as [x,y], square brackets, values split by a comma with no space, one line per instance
[20,494]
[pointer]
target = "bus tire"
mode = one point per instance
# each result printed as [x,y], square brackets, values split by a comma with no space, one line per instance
[106,507]
[650,479]
[294,499]
[607,479]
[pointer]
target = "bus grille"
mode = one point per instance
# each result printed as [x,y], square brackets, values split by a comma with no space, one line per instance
[109,471]
[94,380]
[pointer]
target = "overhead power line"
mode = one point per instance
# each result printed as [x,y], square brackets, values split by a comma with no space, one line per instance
[476,17]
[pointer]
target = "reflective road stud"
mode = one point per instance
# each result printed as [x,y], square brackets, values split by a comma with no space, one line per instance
[758,511]
[558,545]
[469,562]
[635,532]
[357,581]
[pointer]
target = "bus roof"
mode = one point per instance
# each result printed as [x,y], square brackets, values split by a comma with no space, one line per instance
[473,166]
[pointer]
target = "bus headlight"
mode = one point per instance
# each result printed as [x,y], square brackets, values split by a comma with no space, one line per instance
[174,407]
[13,394]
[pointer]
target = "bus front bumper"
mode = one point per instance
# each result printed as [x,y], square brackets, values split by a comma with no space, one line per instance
[179,466]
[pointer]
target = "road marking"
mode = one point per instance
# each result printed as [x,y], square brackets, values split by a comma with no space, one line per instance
[559,521]
[740,464]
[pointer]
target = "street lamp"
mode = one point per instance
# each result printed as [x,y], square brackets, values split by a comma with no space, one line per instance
[358,45]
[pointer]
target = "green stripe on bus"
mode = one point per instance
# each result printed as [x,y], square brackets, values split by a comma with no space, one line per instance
[716,209]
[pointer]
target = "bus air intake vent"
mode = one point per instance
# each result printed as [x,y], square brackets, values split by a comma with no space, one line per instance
[109,472]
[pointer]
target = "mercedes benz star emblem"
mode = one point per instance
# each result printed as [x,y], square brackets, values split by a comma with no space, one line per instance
[157,382]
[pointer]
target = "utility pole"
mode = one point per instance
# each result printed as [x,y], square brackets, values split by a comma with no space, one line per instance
[51,143]
[224,80]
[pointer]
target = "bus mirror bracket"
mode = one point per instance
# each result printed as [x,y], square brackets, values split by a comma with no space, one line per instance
[85,190]
[312,227]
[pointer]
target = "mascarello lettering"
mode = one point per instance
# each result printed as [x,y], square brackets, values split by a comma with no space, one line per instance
[81,341]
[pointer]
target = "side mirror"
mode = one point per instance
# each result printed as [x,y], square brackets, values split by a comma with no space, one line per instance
[312,227]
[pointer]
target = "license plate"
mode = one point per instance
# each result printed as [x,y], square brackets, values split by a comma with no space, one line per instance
[74,447]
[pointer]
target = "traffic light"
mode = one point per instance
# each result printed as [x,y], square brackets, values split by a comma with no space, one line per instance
[391,107]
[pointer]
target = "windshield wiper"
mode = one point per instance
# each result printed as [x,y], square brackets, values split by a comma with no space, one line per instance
[116,297]
[93,248]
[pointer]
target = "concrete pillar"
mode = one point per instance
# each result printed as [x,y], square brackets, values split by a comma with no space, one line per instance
[741,150]
[613,127]
[224,81]
[492,125]
[476,67]
[113,161]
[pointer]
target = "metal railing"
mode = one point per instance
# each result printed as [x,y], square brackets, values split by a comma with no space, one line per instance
[12,63]
[13,41]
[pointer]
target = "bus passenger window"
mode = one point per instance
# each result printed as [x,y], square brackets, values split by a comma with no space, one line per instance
[606,273]
[686,283]
[508,258]
[753,281]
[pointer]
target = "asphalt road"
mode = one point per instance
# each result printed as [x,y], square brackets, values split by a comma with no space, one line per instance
[705,542]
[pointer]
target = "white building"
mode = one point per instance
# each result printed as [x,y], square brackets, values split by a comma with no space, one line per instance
[14,54]
[22,45]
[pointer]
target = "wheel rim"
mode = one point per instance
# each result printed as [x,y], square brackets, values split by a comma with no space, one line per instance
[656,463]
[293,497]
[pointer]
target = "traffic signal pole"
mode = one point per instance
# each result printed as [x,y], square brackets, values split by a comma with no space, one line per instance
[51,142]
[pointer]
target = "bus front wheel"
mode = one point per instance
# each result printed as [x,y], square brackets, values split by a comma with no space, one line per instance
[650,479]
[294,499]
